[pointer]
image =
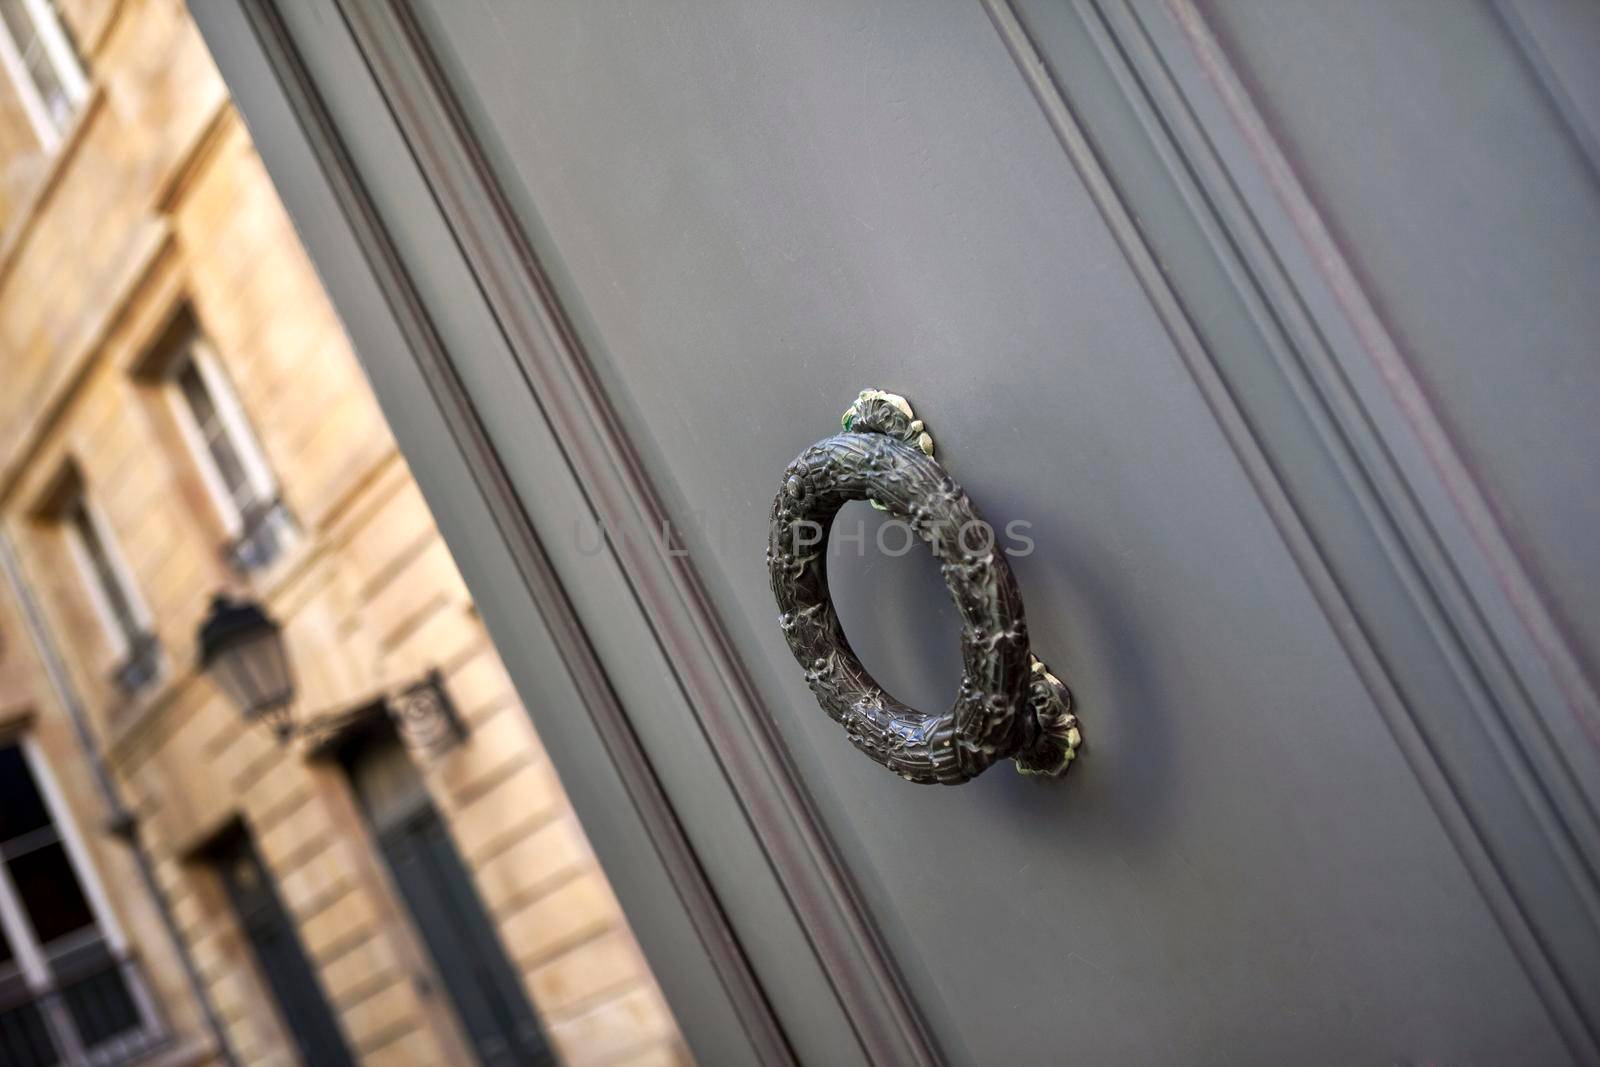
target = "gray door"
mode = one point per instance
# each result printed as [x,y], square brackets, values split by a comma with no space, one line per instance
[302,1005]
[469,960]
[1211,299]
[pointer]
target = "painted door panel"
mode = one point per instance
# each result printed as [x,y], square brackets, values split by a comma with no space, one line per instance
[1480,172]
[302,1004]
[1305,824]
[468,958]
[831,201]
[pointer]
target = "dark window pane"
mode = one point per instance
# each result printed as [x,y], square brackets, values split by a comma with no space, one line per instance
[101,1005]
[56,101]
[198,397]
[17,22]
[24,1041]
[50,893]
[22,810]
[41,70]
[225,455]
[5,950]
[19,25]
[106,577]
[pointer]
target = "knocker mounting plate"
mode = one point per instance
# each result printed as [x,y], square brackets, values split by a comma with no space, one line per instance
[1009,706]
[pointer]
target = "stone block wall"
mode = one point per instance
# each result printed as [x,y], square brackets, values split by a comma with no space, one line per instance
[155,202]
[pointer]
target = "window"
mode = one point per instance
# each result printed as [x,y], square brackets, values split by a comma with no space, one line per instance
[68,991]
[120,610]
[229,456]
[38,54]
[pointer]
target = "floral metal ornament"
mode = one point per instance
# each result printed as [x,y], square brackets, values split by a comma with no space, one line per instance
[1009,705]
[425,718]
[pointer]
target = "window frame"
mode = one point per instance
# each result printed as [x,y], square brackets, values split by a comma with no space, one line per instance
[31,958]
[64,61]
[259,532]
[125,643]
[195,349]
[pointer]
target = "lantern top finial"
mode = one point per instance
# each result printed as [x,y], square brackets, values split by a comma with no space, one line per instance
[231,622]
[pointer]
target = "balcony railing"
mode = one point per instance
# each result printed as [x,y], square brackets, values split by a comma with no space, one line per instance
[98,1014]
[267,529]
[140,666]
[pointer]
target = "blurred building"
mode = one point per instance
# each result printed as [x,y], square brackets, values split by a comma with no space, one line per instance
[180,414]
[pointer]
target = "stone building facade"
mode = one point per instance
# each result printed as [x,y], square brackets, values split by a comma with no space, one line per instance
[180,414]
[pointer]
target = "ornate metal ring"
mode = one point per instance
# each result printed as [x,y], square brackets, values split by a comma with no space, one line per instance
[1009,705]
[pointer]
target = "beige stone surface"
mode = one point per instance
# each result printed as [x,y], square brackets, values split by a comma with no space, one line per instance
[156,201]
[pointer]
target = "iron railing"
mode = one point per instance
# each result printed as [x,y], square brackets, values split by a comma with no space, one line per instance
[140,666]
[95,1014]
[267,529]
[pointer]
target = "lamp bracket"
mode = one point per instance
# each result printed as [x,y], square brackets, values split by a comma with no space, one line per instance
[420,710]
[425,718]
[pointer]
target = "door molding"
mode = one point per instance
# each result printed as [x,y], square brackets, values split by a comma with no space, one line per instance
[608,468]
[611,474]
[262,47]
[1383,519]
[258,30]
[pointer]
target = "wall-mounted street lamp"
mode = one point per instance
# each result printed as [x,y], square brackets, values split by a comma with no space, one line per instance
[243,651]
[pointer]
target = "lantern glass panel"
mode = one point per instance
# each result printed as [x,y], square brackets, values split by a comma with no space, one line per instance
[254,672]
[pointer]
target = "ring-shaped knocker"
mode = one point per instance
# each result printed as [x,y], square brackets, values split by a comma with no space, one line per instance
[1009,704]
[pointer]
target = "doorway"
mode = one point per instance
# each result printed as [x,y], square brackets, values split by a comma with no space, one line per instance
[301,1003]
[468,958]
